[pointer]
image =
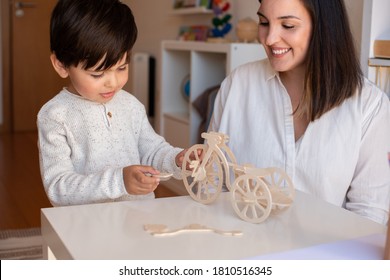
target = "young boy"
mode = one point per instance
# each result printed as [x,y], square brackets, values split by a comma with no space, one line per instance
[95,141]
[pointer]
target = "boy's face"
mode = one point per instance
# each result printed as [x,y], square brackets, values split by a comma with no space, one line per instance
[98,86]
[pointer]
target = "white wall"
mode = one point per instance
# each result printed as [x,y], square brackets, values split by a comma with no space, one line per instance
[156,23]
[355,13]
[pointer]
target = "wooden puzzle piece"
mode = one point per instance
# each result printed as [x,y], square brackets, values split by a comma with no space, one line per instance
[162,230]
[163,176]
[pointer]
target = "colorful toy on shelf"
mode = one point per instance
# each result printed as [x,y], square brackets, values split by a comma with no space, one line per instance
[221,25]
[185,87]
[255,192]
[193,33]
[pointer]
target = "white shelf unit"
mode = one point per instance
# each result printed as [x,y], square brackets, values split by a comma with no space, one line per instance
[207,64]
[379,62]
[382,73]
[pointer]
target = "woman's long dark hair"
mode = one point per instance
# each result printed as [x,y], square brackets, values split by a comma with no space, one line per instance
[333,72]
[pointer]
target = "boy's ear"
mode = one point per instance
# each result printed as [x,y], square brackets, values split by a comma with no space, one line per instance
[58,66]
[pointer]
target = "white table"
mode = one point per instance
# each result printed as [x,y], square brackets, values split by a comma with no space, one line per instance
[116,230]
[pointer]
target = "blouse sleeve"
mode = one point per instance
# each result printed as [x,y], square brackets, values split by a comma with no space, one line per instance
[369,193]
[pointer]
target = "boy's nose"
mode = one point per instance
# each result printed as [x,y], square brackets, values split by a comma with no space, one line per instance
[111,81]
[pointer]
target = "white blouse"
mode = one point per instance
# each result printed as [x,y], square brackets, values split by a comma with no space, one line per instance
[342,157]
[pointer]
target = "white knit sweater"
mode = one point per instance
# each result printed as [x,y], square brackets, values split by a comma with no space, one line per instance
[84,145]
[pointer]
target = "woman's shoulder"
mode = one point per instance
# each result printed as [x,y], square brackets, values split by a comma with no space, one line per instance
[370,102]
[255,74]
[252,74]
[254,68]
[372,96]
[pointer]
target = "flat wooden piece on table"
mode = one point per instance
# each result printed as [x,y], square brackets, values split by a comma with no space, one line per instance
[162,230]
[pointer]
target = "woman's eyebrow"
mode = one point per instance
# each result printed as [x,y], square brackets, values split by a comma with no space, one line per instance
[260,14]
[289,17]
[281,17]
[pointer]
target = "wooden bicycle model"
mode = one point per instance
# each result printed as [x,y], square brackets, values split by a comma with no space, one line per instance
[255,192]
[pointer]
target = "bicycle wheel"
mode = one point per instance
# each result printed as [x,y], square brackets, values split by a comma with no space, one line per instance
[204,181]
[281,188]
[251,198]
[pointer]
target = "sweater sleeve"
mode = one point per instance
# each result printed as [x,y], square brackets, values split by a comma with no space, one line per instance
[155,151]
[63,185]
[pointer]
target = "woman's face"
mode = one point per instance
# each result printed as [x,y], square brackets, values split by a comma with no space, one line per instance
[285,31]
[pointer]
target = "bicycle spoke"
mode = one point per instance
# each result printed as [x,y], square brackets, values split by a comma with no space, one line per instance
[273,179]
[244,210]
[198,193]
[260,207]
[192,184]
[254,212]
[242,191]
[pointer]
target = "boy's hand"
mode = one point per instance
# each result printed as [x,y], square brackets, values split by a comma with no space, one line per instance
[137,182]
[180,157]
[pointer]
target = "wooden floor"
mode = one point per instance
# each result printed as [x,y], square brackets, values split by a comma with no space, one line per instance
[21,191]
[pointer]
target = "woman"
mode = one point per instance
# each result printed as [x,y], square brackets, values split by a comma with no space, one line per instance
[309,110]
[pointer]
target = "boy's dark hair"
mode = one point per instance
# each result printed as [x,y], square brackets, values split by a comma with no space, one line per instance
[85,31]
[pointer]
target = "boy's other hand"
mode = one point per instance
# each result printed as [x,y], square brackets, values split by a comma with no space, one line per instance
[136,180]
